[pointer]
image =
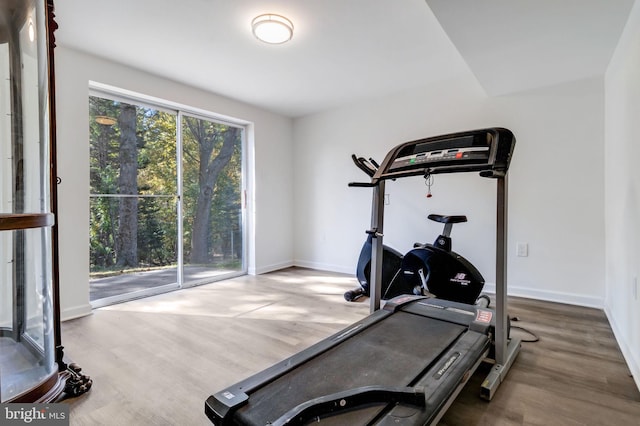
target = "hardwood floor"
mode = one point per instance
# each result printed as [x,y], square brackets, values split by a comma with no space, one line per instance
[154,361]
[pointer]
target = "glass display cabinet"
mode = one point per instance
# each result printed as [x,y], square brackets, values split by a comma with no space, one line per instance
[32,368]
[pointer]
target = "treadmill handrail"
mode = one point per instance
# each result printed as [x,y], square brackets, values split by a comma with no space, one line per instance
[329,405]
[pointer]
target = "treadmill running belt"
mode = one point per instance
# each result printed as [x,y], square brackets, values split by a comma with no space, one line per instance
[393,352]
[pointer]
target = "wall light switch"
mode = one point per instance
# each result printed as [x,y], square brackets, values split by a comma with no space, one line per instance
[634,288]
[522,250]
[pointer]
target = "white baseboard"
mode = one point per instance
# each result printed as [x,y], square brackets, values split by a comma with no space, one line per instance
[627,353]
[529,293]
[550,296]
[270,268]
[324,267]
[75,312]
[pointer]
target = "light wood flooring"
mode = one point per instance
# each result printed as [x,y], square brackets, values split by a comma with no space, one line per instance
[154,361]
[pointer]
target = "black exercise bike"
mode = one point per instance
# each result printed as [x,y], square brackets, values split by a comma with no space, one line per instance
[427,269]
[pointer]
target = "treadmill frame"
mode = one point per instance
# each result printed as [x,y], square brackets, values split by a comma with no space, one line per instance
[501,150]
[222,405]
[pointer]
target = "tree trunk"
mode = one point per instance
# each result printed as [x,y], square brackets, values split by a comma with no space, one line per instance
[127,238]
[209,170]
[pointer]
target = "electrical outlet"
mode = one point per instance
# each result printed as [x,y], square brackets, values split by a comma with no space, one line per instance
[522,249]
[387,199]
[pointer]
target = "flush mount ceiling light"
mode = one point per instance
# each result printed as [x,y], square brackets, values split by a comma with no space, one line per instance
[32,31]
[107,121]
[273,29]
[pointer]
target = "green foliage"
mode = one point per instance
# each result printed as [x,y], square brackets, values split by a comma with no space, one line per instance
[156,241]
[157,177]
[156,150]
[204,150]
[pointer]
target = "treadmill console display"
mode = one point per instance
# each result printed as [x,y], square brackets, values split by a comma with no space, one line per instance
[487,151]
[449,151]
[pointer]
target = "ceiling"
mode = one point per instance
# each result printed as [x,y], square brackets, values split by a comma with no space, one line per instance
[346,51]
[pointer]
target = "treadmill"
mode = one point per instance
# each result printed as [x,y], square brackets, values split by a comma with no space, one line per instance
[404,364]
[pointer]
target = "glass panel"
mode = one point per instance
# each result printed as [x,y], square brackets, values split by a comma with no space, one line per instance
[26,333]
[133,203]
[132,149]
[37,283]
[23,105]
[6,290]
[212,201]
[35,128]
[6,152]
[156,265]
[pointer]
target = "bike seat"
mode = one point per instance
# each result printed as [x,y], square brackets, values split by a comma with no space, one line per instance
[447,219]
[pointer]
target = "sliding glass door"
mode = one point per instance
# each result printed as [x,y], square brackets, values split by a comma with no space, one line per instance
[212,202]
[133,204]
[166,199]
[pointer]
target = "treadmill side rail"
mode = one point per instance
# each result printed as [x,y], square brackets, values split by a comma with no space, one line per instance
[398,302]
[481,320]
[219,406]
[443,382]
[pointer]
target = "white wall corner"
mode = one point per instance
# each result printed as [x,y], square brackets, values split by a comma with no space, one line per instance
[631,358]
[265,269]
[320,266]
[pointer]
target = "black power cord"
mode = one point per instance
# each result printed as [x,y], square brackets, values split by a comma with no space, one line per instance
[534,338]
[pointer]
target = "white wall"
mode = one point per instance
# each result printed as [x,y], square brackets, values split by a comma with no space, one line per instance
[622,192]
[270,203]
[556,185]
